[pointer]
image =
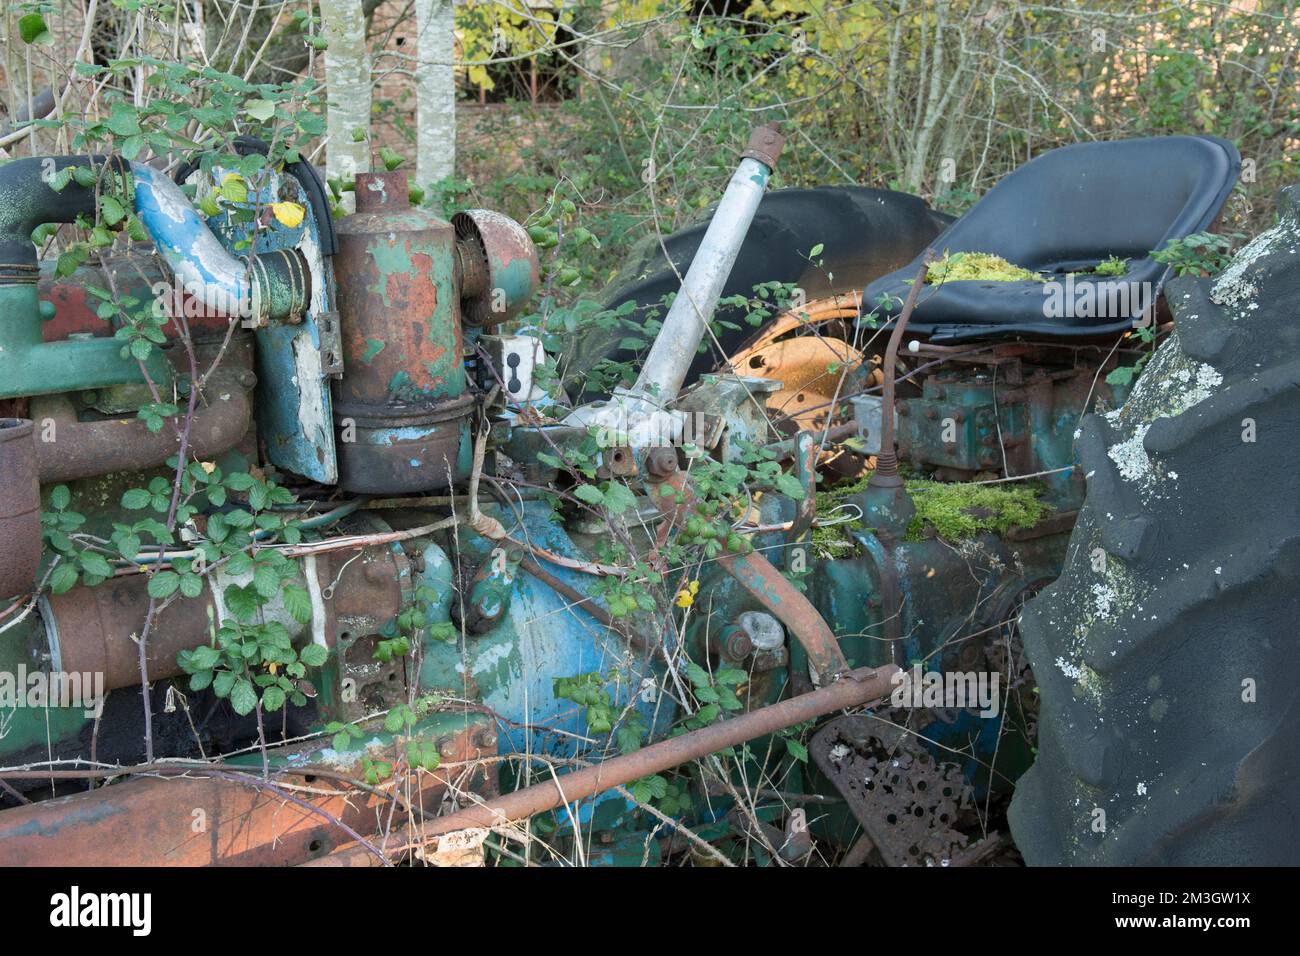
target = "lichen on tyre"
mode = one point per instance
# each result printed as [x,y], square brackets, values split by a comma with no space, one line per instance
[1168,651]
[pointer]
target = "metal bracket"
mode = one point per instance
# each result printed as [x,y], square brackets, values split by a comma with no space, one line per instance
[331,344]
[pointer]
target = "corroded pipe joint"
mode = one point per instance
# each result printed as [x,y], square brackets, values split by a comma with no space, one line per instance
[765,145]
[20,508]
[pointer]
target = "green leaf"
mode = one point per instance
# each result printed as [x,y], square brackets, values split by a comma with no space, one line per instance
[111,210]
[618,498]
[191,585]
[313,655]
[273,698]
[163,583]
[797,750]
[590,494]
[92,562]
[243,697]
[260,110]
[64,578]
[816,250]
[790,486]
[242,602]
[60,497]
[123,121]
[698,675]
[223,683]
[709,713]
[32,29]
[136,498]
[298,603]
[266,580]
[204,657]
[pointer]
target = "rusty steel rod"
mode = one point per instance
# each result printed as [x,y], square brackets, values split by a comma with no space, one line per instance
[855,688]
[887,460]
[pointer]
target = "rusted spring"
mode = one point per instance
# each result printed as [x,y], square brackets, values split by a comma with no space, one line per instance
[887,461]
[856,688]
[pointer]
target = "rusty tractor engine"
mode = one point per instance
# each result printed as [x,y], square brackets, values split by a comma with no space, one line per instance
[314,445]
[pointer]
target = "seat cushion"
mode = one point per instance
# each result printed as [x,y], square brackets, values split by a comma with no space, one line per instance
[1065,212]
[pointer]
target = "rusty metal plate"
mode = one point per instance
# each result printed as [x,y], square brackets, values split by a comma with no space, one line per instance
[906,801]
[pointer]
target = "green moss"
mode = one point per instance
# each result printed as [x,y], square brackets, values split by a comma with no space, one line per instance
[1114,266]
[958,511]
[982,266]
[833,541]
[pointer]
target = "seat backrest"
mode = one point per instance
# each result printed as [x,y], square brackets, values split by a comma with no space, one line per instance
[1084,202]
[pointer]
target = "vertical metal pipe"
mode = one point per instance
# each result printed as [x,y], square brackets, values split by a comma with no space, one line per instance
[20,508]
[674,347]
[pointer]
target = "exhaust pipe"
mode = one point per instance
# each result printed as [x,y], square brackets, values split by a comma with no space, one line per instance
[674,347]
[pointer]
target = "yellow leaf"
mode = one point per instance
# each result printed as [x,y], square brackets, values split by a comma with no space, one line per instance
[288,213]
[685,598]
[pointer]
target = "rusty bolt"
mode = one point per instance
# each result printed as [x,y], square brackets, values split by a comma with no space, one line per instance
[904,408]
[959,415]
[661,462]
[247,379]
[447,748]
[486,739]
[739,646]
[931,412]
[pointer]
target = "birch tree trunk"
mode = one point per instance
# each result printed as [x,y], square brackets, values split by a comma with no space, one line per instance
[435,87]
[347,81]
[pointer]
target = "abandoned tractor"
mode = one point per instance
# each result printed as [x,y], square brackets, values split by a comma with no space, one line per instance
[313,551]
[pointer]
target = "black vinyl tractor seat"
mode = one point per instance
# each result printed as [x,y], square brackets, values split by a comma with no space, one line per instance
[1065,212]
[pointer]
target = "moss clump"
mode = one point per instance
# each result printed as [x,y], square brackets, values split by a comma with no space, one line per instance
[981,266]
[958,511]
[833,540]
[1114,266]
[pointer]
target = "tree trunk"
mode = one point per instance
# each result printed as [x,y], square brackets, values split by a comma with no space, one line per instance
[347,80]
[435,86]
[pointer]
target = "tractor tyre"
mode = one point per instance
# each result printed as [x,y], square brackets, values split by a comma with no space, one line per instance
[1167,654]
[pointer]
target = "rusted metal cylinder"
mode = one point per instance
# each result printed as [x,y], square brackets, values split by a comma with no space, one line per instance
[498,266]
[89,630]
[87,449]
[400,406]
[856,688]
[20,508]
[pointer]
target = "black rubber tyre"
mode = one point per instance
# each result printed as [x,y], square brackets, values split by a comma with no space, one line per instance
[1168,652]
